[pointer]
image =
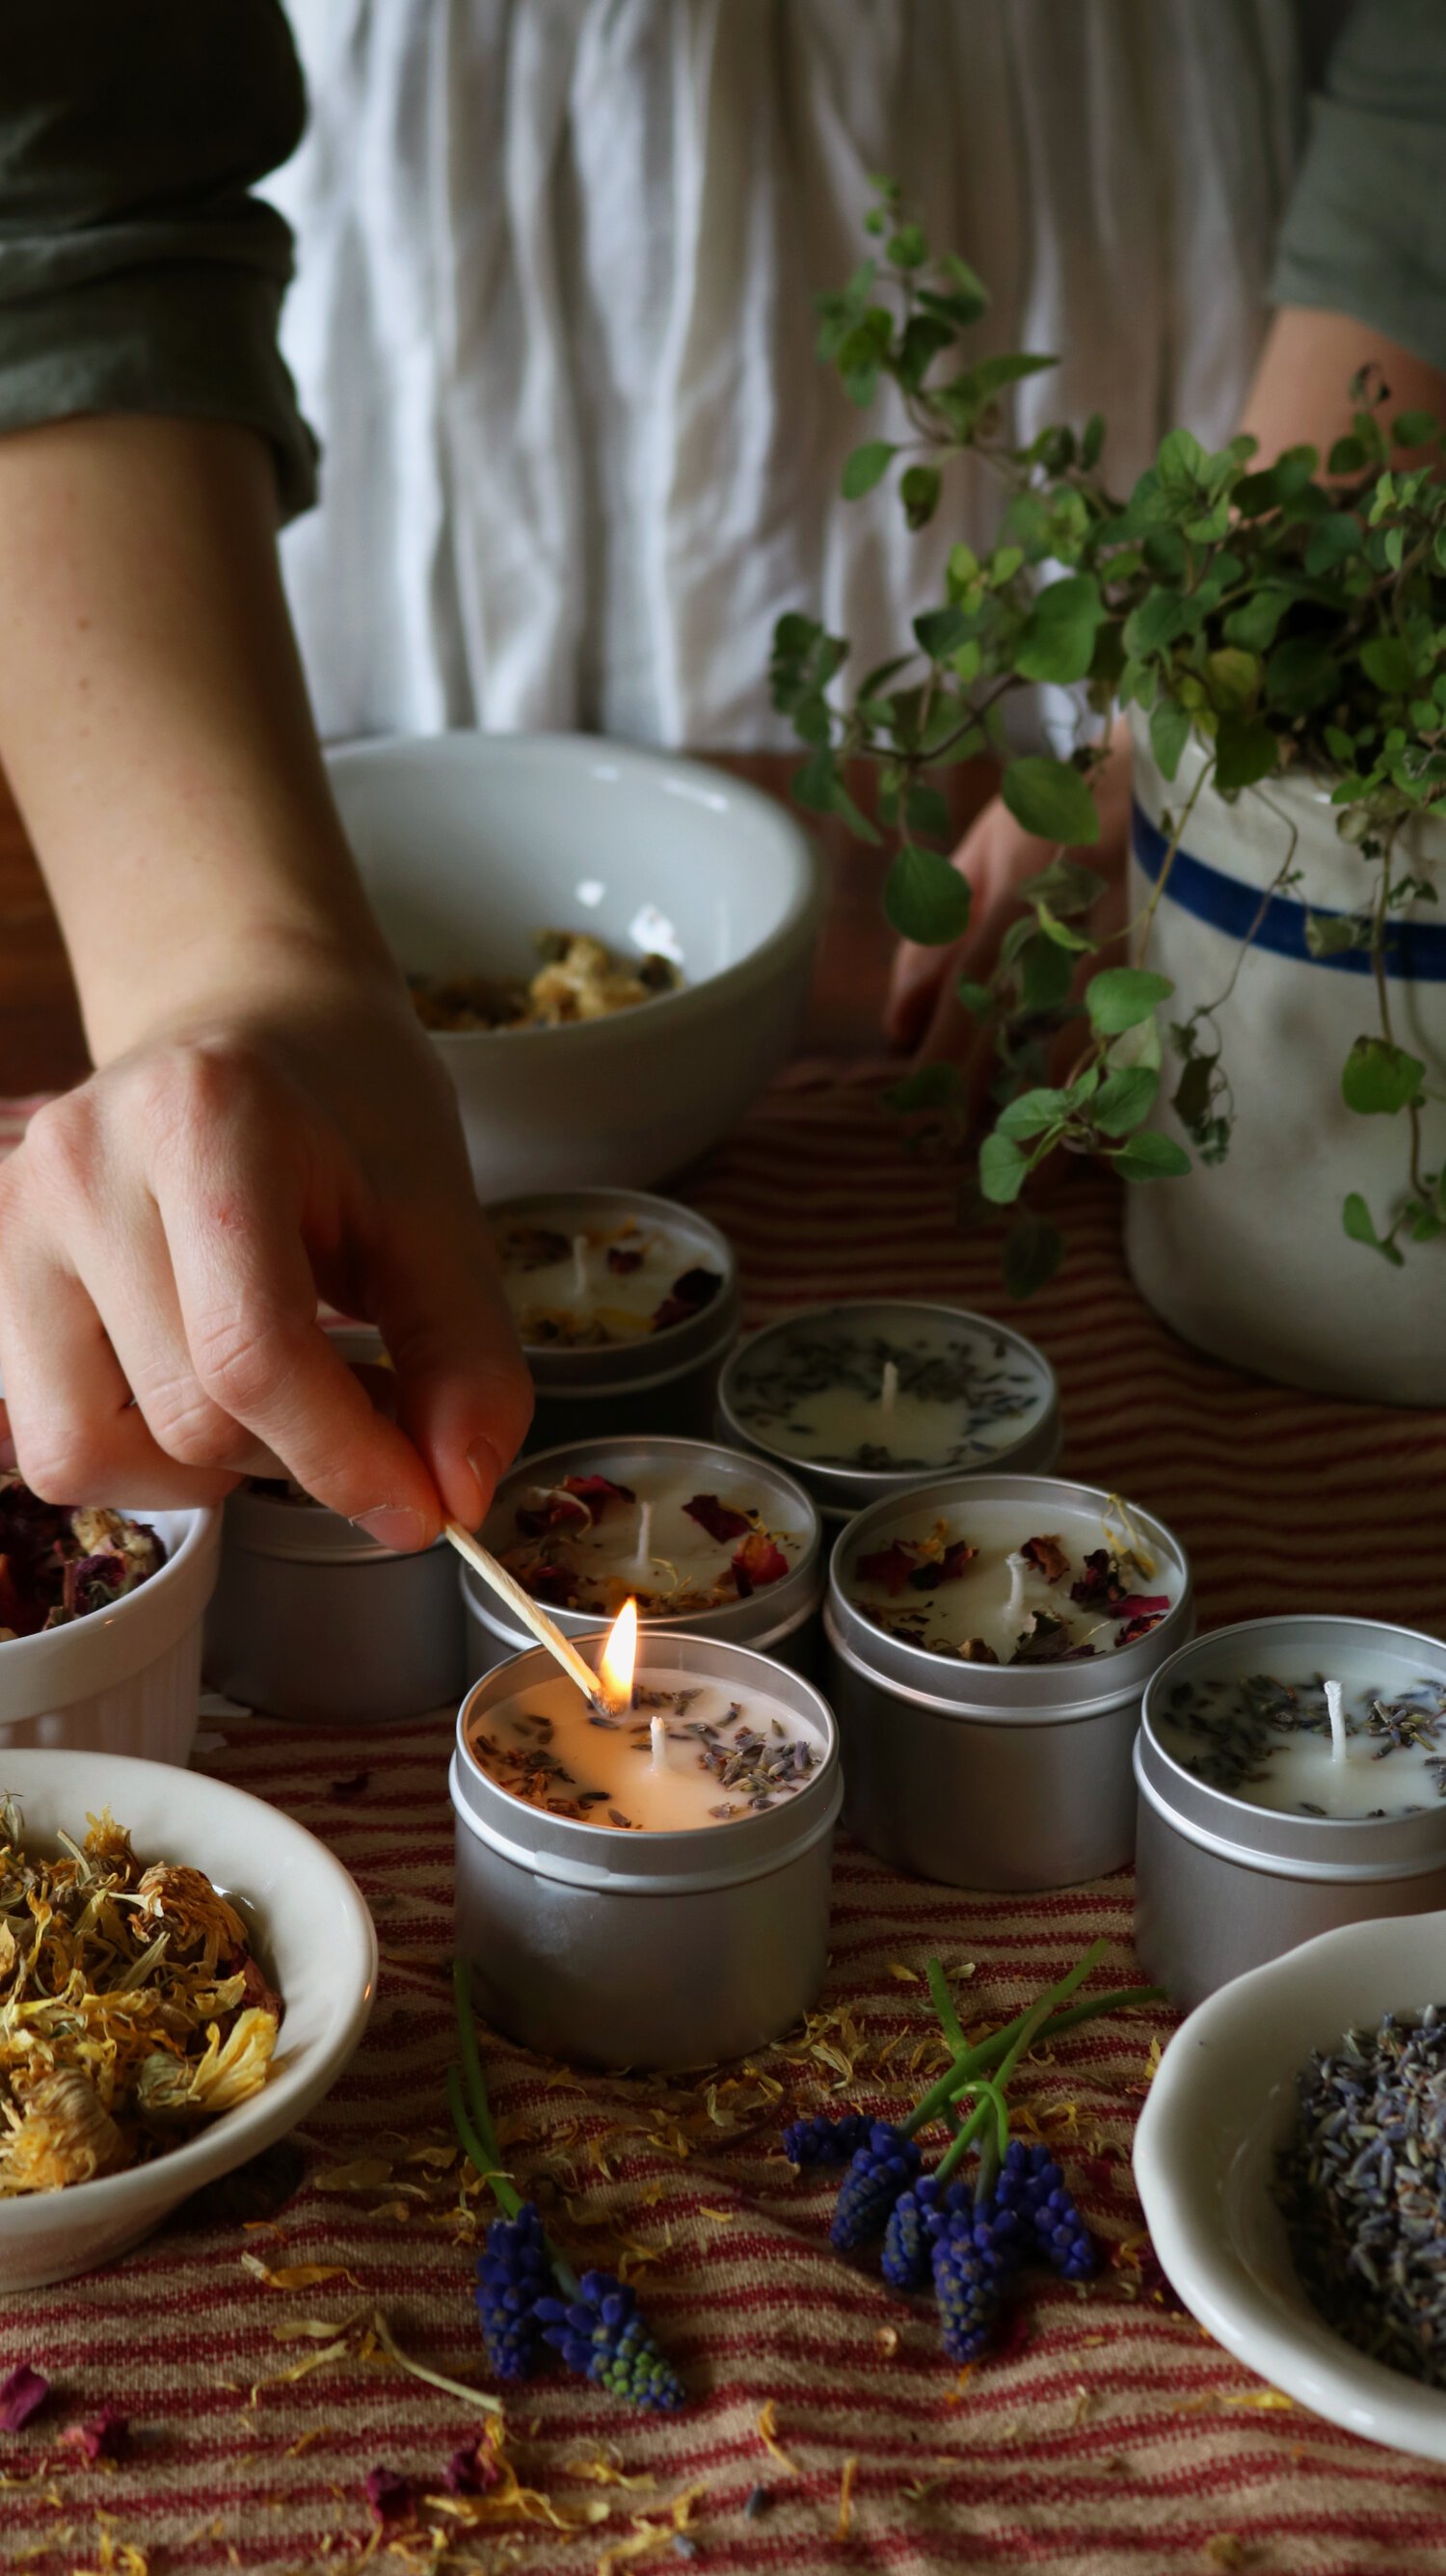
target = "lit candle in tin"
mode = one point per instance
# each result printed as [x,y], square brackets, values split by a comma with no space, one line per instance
[678,1754]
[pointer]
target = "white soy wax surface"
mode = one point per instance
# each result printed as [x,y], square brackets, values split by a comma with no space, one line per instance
[997,1595]
[846,1392]
[652,1546]
[578,1287]
[656,1770]
[1267,1738]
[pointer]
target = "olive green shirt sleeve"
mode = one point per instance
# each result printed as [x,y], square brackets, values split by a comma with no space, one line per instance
[137,272]
[1365,231]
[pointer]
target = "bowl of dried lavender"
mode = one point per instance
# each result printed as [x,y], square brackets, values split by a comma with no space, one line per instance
[184,1971]
[1291,2160]
[101,1614]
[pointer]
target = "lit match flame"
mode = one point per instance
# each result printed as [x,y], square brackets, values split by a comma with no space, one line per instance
[619,1656]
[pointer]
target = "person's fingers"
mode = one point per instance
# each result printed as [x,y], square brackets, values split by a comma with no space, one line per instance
[466,1397]
[7,1445]
[235,1235]
[916,979]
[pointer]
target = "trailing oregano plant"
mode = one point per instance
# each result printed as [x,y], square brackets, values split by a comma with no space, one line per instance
[1291,617]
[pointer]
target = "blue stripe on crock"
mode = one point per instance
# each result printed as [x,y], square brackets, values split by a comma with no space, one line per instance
[1415,951]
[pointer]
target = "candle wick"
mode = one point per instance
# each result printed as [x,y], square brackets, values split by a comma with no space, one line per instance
[659,1734]
[1336,1714]
[1018,1568]
[579,1265]
[644,1556]
[889,1393]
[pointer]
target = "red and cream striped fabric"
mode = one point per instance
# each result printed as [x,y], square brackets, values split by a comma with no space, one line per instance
[1110,2435]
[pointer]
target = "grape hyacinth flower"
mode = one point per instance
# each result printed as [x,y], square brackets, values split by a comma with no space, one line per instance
[969,2284]
[512,2275]
[822,2141]
[603,2335]
[1032,2185]
[917,2218]
[879,2172]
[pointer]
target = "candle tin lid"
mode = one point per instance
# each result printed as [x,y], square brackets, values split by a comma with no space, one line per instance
[647,1359]
[1009,1385]
[1033,1694]
[1343,1847]
[772,1609]
[688,1861]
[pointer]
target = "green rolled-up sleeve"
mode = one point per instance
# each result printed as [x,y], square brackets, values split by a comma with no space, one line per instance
[138,273]
[1365,231]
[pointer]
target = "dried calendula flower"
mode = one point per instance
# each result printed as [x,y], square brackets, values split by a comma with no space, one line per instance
[131,2007]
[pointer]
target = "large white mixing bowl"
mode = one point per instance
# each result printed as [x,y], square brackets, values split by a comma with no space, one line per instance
[469,843]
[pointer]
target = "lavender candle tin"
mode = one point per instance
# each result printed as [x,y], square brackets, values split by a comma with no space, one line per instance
[1007,1775]
[1224,1884]
[777,1618]
[588,1274]
[862,1400]
[645,1949]
[312,1621]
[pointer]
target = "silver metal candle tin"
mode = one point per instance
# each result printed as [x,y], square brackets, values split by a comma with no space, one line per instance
[311,1620]
[660,1382]
[841,1491]
[645,1949]
[1222,1886]
[990,1775]
[781,1620]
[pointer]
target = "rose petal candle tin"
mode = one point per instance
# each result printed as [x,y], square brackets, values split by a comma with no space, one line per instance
[1006,1773]
[610,1519]
[609,1944]
[860,1401]
[625,1305]
[1259,1826]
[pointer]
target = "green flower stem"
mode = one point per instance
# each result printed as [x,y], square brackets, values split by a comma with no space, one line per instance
[988,2051]
[1009,2043]
[472,2120]
[943,2003]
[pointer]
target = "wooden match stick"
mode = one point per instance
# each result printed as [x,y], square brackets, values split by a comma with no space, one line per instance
[530,1612]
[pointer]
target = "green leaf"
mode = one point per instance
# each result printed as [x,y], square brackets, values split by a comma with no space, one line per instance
[1070,889]
[1160,617]
[929,1086]
[866,466]
[1234,677]
[1245,750]
[1348,456]
[1150,1157]
[1092,440]
[1380,1079]
[1330,934]
[1416,429]
[1357,1220]
[993,374]
[1058,638]
[1124,1100]
[919,488]
[1003,1170]
[908,247]
[1179,464]
[1388,662]
[1119,997]
[1046,972]
[1302,674]
[925,899]
[1033,1251]
[1254,622]
[939,630]
[970,288]
[1169,733]
[1032,1113]
[1333,540]
[1050,798]
[976,999]
[1062,932]
[927,810]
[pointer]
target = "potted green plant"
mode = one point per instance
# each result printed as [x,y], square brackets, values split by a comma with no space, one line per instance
[1259,1051]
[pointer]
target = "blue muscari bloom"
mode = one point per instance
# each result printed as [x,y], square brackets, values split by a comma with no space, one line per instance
[512,2275]
[822,2141]
[1032,2185]
[917,2217]
[879,2171]
[603,2335]
[973,2256]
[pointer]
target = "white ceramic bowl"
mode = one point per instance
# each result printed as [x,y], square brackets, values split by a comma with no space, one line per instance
[318,1944]
[471,842]
[126,1679]
[1220,2105]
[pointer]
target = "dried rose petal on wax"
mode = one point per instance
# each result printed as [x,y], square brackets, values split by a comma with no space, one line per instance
[717,1518]
[759,1561]
[21,2396]
[1047,1557]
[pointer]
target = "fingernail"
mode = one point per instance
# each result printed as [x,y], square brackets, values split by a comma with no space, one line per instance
[486,1466]
[400,1529]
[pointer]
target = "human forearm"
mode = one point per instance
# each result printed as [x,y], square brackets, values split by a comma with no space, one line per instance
[1301,394]
[154,722]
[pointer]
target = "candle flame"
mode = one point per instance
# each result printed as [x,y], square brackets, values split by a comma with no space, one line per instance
[619,1656]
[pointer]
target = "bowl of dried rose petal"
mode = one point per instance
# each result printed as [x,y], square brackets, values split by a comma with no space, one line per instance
[184,1972]
[101,1614]
[610,946]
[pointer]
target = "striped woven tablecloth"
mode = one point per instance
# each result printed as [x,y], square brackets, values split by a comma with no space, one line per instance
[1109,2434]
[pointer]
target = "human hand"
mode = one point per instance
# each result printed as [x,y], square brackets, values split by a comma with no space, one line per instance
[922,1012]
[167,1228]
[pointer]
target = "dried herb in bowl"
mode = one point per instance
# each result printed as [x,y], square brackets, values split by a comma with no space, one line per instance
[132,2007]
[579,979]
[59,1563]
[1361,2184]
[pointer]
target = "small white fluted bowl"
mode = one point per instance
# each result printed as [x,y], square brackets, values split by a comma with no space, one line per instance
[316,1939]
[469,843]
[1219,2107]
[126,1679]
